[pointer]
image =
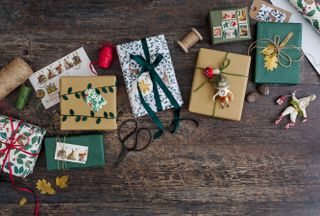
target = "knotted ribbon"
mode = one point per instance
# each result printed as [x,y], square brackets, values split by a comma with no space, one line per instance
[150,67]
[284,59]
[12,144]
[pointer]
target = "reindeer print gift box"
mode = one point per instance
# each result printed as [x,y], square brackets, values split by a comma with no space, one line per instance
[219,84]
[74,152]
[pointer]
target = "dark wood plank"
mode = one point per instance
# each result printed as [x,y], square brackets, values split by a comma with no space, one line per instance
[222,168]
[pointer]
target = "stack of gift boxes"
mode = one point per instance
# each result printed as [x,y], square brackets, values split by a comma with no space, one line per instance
[88,102]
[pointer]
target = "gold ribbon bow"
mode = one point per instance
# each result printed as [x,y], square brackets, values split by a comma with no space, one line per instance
[275,53]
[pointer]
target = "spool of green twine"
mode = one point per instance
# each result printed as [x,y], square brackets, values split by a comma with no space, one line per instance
[23,97]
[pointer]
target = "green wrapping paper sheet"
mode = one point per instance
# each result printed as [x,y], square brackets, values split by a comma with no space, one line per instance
[280,75]
[95,151]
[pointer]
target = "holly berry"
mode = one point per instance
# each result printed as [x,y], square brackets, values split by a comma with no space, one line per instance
[208,73]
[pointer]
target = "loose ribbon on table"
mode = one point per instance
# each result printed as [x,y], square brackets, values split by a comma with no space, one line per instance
[278,49]
[12,144]
[147,66]
[224,65]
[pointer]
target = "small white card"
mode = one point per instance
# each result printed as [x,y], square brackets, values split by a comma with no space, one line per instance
[71,153]
[46,81]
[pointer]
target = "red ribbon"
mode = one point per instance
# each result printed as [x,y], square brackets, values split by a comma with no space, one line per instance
[12,144]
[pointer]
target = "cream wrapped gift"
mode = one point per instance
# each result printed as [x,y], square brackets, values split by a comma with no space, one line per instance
[150,78]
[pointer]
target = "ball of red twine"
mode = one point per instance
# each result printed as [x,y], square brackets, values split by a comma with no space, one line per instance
[105,56]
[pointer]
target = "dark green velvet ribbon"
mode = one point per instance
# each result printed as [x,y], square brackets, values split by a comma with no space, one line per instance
[147,66]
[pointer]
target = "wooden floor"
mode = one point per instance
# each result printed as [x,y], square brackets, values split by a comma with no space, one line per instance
[222,168]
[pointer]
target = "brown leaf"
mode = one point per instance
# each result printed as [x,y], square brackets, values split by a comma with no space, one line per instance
[45,187]
[62,182]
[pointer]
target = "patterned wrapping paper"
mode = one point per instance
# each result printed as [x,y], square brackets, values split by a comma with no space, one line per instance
[31,136]
[229,25]
[310,9]
[130,68]
[46,80]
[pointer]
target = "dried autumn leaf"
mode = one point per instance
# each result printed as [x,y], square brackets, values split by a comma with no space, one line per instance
[62,182]
[271,62]
[45,187]
[268,50]
[23,201]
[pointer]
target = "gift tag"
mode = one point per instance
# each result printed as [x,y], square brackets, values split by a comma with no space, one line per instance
[71,153]
[264,12]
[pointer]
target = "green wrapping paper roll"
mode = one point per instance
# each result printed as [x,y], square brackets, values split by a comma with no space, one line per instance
[310,9]
[23,97]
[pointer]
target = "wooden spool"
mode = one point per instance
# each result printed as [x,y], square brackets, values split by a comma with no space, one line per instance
[190,39]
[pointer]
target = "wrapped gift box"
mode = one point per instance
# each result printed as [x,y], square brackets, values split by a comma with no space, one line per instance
[88,103]
[156,45]
[75,152]
[27,145]
[237,72]
[279,75]
[229,25]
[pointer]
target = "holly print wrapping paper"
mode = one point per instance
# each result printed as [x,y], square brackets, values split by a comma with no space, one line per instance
[310,9]
[28,138]
[130,69]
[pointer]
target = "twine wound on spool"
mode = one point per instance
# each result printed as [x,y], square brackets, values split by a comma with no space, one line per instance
[190,39]
[23,97]
[13,75]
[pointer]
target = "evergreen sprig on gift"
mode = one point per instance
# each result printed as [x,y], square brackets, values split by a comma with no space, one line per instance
[78,118]
[79,94]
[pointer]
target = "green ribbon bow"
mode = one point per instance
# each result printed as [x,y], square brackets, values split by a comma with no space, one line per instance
[147,66]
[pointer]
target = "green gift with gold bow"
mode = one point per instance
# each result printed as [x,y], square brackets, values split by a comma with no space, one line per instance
[278,53]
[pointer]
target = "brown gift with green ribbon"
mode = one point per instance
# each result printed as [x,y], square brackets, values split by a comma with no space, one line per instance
[236,72]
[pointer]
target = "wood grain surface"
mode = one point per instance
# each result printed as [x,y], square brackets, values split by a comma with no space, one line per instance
[221,168]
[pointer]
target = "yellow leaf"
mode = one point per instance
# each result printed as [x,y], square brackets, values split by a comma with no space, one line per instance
[269,50]
[271,62]
[23,201]
[144,87]
[45,187]
[62,182]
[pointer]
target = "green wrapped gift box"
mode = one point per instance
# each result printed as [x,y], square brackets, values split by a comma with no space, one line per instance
[229,25]
[279,75]
[74,152]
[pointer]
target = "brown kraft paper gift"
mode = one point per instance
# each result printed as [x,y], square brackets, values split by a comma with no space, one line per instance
[237,74]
